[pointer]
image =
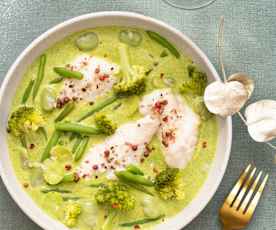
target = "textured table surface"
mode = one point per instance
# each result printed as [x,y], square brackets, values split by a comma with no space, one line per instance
[250,46]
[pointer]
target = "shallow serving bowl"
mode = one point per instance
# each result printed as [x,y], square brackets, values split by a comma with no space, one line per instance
[57,33]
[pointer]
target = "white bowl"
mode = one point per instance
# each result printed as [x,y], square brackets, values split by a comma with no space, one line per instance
[57,33]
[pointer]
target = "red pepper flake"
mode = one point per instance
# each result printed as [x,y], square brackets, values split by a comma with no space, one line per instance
[146,154]
[159,106]
[115,206]
[97,70]
[68,167]
[165,119]
[142,160]
[87,161]
[204,144]
[59,103]
[136,226]
[32,146]
[103,77]
[77,177]
[25,185]
[66,99]
[84,175]
[112,68]
[155,170]
[95,167]
[106,153]
[134,147]
[165,143]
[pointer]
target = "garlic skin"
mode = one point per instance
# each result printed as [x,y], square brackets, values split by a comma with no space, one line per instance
[261,120]
[225,99]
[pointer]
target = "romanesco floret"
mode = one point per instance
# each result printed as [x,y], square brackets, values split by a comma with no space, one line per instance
[71,212]
[196,83]
[115,196]
[24,120]
[133,77]
[104,124]
[169,184]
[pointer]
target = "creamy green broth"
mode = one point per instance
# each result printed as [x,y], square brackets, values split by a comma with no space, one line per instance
[147,54]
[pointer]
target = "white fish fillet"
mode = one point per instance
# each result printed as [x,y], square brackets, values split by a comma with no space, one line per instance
[126,146]
[178,132]
[98,78]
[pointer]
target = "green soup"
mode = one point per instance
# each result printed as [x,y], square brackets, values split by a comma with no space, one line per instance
[163,68]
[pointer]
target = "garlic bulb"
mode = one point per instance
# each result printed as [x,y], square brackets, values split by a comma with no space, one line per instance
[225,99]
[261,120]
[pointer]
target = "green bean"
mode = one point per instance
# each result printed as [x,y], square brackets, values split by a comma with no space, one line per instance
[56,80]
[66,73]
[98,106]
[129,177]
[51,143]
[55,190]
[142,221]
[40,75]
[27,92]
[76,128]
[134,169]
[71,198]
[76,144]
[140,188]
[81,149]
[68,108]
[163,42]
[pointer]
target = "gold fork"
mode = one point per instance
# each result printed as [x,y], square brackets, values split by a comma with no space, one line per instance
[239,206]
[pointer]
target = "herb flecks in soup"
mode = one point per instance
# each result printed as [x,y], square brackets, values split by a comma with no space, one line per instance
[108,130]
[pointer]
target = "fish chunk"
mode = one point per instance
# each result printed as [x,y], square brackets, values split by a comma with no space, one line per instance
[127,145]
[98,78]
[179,125]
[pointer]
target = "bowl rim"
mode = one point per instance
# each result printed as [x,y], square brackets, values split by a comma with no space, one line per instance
[138,16]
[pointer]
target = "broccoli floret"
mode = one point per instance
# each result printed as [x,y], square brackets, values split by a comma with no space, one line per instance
[169,184]
[71,212]
[104,124]
[24,120]
[196,83]
[115,196]
[133,77]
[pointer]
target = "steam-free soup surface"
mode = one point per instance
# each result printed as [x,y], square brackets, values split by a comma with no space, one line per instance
[163,71]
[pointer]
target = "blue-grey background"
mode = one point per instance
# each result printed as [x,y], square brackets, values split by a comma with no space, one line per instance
[250,46]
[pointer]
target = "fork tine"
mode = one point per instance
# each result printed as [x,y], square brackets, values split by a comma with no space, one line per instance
[244,188]
[254,202]
[250,193]
[232,195]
